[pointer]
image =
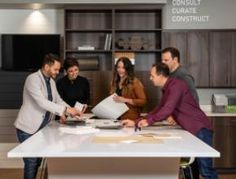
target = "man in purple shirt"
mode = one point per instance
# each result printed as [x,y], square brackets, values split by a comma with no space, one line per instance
[178,102]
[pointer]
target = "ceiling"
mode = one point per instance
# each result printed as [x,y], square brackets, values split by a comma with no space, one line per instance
[54,4]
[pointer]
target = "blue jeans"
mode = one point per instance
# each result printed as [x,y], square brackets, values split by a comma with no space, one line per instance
[31,164]
[206,164]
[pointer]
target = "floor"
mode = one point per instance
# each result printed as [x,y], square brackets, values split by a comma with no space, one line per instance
[17,174]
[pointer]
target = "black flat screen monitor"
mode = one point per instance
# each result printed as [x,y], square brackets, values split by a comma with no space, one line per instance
[25,52]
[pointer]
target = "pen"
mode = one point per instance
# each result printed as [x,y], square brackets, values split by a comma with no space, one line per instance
[136,128]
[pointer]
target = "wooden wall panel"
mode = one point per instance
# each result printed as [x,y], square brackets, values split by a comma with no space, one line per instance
[220,58]
[233,65]
[178,40]
[198,57]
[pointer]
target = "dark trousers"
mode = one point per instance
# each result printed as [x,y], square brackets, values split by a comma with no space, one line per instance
[202,165]
[31,165]
[205,164]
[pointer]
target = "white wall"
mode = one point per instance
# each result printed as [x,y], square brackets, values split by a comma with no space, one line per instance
[214,14]
[24,21]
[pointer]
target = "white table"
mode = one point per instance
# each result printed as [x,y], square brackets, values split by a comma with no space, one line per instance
[76,156]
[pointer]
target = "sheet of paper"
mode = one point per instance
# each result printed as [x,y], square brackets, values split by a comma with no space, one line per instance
[79,106]
[109,109]
[78,130]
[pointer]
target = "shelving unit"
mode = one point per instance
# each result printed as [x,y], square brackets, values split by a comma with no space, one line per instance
[139,28]
[90,25]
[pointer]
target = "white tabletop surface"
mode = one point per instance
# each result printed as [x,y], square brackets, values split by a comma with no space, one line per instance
[51,142]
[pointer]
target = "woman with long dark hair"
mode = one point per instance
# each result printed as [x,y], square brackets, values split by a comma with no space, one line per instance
[129,89]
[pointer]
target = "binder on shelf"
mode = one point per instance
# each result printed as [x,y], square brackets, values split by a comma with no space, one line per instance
[107,45]
[106,41]
[130,55]
[109,42]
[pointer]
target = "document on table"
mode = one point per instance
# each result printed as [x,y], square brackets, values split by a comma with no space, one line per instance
[78,130]
[109,109]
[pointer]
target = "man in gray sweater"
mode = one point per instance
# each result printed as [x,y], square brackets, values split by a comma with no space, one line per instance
[171,57]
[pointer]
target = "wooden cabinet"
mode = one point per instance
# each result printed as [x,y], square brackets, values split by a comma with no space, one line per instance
[111,30]
[178,40]
[193,47]
[220,58]
[197,57]
[208,55]
[224,141]
[233,62]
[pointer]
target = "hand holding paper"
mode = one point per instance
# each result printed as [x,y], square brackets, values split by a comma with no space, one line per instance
[81,107]
[119,99]
[109,108]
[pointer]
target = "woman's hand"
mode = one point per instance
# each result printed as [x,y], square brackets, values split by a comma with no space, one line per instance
[128,123]
[119,99]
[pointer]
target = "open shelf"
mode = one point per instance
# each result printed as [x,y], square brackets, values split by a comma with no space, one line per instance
[104,29]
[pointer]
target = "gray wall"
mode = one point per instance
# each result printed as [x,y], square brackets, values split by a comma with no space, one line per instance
[215,14]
